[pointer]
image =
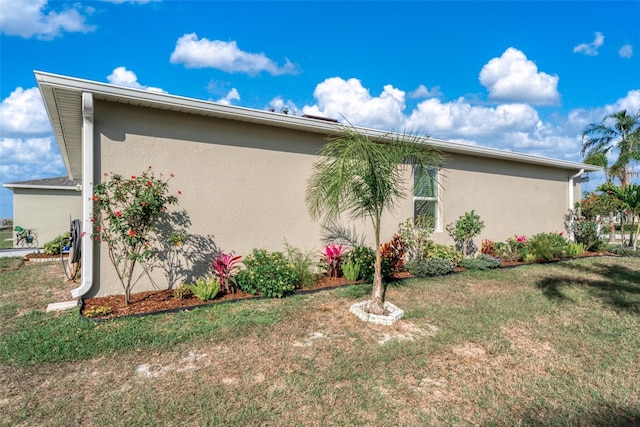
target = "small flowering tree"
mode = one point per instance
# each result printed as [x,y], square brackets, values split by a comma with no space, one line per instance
[126,210]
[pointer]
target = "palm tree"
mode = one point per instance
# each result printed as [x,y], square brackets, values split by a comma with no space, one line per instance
[630,197]
[363,177]
[600,139]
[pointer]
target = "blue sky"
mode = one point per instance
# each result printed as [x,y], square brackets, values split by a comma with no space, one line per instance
[520,76]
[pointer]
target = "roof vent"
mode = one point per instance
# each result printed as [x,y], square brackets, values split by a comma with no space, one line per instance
[326,119]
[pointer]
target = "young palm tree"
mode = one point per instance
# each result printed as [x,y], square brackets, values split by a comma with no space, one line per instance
[362,177]
[630,197]
[599,139]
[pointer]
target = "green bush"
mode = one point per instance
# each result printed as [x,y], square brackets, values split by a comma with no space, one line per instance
[575,249]
[182,292]
[464,230]
[620,250]
[435,250]
[430,267]
[514,249]
[53,247]
[366,258]
[351,271]
[267,273]
[547,246]
[481,262]
[304,264]
[205,288]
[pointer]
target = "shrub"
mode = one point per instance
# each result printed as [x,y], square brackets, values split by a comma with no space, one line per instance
[547,246]
[430,267]
[481,262]
[416,233]
[464,230]
[393,253]
[528,258]
[53,247]
[225,266]
[575,249]
[513,249]
[206,288]
[621,250]
[304,264]
[584,230]
[435,250]
[267,273]
[332,257]
[487,247]
[182,292]
[366,258]
[351,270]
[98,311]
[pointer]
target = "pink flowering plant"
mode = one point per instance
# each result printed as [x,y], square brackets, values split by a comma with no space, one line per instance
[126,212]
[225,266]
[332,257]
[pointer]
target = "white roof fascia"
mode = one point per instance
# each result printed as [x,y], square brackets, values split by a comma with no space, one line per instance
[41,187]
[141,97]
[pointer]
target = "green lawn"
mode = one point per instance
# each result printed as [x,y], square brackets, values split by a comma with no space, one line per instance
[551,344]
[4,235]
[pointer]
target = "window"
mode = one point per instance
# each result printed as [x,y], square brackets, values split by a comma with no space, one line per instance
[425,195]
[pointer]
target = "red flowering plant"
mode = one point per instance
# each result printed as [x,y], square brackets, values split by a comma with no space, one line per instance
[126,211]
[224,267]
[332,257]
[393,252]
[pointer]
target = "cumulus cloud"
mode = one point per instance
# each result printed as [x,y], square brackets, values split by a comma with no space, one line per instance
[23,112]
[423,92]
[514,78]
[194,52]
[122,77]
[461,119]
[590,49]
[34,18]
[232,95]
[626,51]
[339,98]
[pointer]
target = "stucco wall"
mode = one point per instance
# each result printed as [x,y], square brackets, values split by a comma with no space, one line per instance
[46,212]
[243,186]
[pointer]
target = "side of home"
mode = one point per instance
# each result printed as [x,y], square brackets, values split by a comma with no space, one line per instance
[243,173]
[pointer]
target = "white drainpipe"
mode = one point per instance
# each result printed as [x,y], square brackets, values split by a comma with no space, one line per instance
[571,178]
[87,196]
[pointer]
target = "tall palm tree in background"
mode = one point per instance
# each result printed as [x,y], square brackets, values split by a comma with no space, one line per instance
[363,177]
[600,140]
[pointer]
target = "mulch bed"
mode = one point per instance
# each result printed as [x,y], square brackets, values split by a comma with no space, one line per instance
[163,301]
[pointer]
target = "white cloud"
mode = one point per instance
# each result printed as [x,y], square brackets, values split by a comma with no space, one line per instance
[34,18]
[29,158]
[232,95]
[514,78]
[423,92]
[226,56]
[590,49]
[461,119]
[339,98]
[23,113]
[626,51]
[122,77]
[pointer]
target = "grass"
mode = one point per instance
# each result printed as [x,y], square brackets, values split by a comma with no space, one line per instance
[4,235]
[552,344]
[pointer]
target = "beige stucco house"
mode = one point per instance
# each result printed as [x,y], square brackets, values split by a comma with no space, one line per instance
[46,206]
[243,172]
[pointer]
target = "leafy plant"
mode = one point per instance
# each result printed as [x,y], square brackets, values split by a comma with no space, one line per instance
[430,267]
[97,311]
[528,258]
[436,250]
[365,257]
[547,246]
[53,247]
[575,249]
[351,270]
[487,247]
[225,266]
[332,257]
[464,230]
[416,233]
[393,253]
[182,292]
[513,249]
[267,273]
[304,264]
[206,288]
[126,211]
[481,262]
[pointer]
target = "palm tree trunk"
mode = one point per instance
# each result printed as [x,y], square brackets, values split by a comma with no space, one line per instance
[376,305]
[612,231]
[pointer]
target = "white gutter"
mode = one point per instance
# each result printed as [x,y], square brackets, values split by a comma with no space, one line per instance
[571,178]
[87,196]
